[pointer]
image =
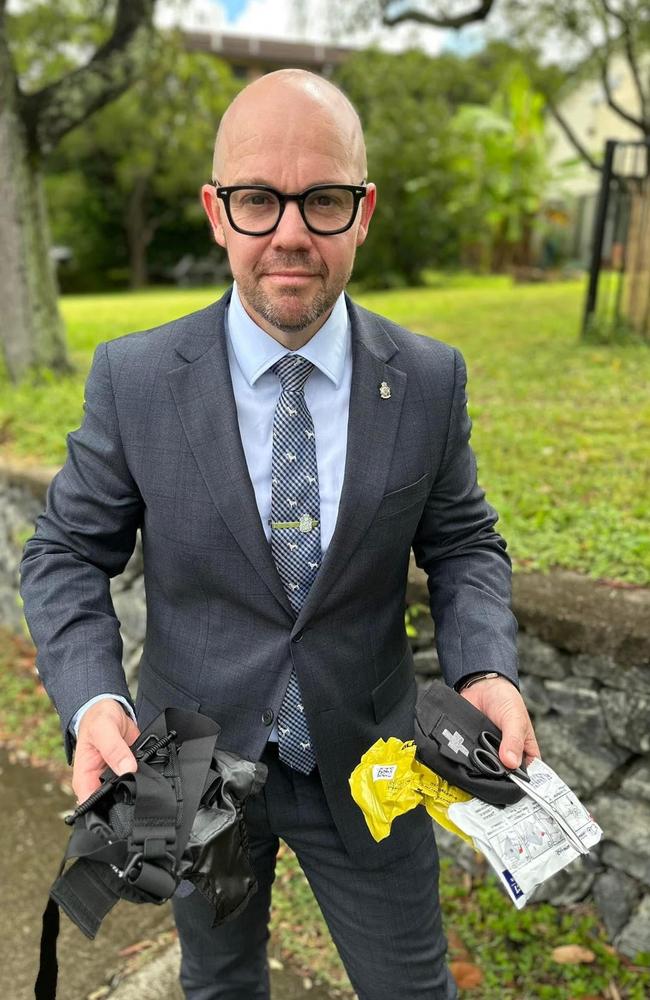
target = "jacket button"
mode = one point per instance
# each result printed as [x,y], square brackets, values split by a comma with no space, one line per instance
[267,716]
[298,636]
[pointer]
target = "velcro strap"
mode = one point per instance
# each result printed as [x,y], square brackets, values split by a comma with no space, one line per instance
[87,891]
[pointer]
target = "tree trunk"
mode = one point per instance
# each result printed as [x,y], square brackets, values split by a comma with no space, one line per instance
[31,125]
[30,323]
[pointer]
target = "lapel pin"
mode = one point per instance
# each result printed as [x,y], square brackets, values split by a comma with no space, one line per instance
[384,390]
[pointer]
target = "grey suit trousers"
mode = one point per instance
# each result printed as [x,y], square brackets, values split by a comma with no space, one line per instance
[385,923]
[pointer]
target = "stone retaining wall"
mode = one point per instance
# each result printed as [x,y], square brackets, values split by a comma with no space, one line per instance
[585,674]
[594,730]
[21,500]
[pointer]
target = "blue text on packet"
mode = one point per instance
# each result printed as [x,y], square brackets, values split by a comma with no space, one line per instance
[512,882]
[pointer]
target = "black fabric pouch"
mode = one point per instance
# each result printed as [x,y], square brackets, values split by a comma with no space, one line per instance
[447,730]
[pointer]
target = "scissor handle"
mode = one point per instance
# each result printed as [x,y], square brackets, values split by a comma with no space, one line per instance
[488,762]
[489,741]
[489,747]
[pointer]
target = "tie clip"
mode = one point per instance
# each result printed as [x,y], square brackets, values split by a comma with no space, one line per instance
[305,524]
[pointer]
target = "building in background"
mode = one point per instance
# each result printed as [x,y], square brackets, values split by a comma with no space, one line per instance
[590,117]
[250,57]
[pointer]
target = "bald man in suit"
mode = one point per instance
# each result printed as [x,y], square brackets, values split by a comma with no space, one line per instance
[282,452]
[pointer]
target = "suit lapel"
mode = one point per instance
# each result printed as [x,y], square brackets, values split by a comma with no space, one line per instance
[372,428]
[203,394]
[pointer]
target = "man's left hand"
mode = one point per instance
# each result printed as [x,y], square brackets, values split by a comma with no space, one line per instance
[501,702]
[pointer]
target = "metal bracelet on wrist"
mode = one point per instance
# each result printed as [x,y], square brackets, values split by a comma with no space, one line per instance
[475,678]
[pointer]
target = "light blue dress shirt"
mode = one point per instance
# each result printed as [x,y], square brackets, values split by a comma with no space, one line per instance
[251,353]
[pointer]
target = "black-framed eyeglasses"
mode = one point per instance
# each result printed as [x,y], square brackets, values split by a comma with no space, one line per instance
[326,209]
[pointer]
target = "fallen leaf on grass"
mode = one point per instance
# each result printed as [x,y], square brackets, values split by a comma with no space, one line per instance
[466,974]
[572,954]
[457,946]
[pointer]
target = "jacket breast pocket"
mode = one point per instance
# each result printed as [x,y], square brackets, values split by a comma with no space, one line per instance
[403,499]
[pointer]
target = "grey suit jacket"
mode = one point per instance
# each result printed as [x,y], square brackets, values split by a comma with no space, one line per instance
[159,450]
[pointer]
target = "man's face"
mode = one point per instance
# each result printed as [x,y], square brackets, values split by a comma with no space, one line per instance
[290,279]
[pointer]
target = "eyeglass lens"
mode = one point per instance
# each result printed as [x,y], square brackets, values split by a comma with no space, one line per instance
[326,209]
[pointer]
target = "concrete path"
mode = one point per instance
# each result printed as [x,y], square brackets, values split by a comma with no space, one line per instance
[159,978]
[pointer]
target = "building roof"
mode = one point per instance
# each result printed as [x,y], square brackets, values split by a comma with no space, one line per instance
[270,52]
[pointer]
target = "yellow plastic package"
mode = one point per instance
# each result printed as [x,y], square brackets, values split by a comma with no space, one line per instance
[388,781]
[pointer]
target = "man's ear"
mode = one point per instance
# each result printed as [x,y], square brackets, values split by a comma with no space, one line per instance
[368,205]
[213,208]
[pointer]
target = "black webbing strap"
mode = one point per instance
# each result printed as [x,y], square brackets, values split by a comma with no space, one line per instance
[152,842]
[48,970]
[140,866]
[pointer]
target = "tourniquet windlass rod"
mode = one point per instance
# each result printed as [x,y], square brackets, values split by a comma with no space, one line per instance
[96,796]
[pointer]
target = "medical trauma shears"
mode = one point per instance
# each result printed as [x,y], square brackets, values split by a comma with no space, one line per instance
[485,757]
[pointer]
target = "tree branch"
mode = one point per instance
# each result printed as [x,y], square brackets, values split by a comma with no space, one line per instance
[614,105]
[603,56]
[630,52]
[479,13]
[53,111]
[571,135]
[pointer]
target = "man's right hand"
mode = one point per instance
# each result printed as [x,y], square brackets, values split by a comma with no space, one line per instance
[105,732]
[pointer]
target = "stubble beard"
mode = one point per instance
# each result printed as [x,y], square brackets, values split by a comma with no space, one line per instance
[290,321]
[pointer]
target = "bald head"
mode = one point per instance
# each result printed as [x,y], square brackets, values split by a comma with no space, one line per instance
[294,133]
[290,107]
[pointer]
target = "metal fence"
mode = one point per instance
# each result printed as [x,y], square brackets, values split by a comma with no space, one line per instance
[618,295]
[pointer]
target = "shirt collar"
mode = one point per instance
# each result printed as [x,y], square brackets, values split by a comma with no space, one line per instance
[256,351]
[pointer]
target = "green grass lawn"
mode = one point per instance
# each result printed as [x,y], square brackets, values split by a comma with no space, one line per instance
[561,428]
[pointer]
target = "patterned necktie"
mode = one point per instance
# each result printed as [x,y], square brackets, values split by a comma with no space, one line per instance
[295,531]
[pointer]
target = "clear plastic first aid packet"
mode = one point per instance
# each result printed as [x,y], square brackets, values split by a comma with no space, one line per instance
[525,845]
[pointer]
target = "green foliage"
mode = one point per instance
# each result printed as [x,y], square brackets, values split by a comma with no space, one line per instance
[26,713]
[454,146]
[584,33]
[604,329]
[499,171]
[404,112]
[124,187]
[49,39]
[412,613]
[513,948]
[561,426]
